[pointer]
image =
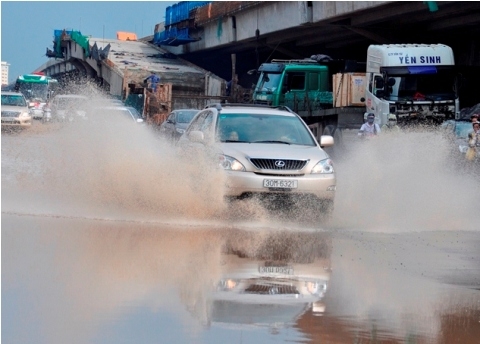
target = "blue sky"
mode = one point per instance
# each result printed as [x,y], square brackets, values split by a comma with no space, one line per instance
[28,26]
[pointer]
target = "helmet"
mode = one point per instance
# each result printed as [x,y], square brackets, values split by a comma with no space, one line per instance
[392,117]
[370,118]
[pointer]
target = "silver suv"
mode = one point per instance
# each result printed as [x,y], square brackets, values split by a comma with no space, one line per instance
[264,151]
[15,112]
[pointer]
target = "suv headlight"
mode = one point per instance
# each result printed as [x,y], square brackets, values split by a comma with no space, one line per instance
[24,114]
[228,163]
[324,166]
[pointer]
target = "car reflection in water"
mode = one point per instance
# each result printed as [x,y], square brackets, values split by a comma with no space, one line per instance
[273,286]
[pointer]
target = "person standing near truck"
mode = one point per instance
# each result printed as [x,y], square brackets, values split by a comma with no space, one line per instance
[473,142]
[154,80]
[369,128]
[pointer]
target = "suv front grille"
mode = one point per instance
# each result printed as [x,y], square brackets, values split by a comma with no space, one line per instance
[273,289]
[10,113]
[279,164]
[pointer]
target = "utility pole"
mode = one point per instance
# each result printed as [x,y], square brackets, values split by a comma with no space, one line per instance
[233,85]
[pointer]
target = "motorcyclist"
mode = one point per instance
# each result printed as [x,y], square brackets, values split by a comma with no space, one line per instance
[369,128]
[474,136]
[391,125]
[473,141]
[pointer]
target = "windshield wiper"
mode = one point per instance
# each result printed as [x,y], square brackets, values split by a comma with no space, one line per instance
[237,141]
[284,142]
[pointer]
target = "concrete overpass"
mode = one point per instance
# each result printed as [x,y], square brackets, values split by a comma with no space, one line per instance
[259,31]
[121,66]
[342,29]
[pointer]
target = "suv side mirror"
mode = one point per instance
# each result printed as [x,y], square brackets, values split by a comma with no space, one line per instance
[196,136]
[326,141]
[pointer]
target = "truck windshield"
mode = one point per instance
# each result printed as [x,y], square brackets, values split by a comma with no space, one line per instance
[33,90]
[438,86]
[268,82]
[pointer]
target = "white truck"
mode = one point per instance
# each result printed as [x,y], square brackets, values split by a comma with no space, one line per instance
[413,81]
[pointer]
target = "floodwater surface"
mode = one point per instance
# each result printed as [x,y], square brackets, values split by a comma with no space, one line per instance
[108,237]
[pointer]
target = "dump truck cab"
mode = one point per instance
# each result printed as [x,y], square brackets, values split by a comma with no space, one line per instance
[289,82]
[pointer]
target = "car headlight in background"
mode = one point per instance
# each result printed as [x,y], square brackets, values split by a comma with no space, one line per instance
[227,284]
[180,131]
[324,166]
[228,163]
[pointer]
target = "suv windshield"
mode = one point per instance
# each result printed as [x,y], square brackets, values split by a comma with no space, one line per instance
[260,128]
[13,100]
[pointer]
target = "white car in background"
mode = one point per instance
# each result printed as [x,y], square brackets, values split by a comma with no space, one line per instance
[115,113]
[68,107]
[15,111]
[36,107]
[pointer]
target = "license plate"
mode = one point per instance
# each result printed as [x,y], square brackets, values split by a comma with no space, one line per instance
[283,270]
[280,183]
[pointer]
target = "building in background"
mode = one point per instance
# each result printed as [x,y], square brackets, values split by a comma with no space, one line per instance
[5,66]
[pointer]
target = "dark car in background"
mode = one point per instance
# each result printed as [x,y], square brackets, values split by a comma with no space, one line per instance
[176,123]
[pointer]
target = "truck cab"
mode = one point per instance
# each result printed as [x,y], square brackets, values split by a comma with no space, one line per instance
[291,83]
[413,81]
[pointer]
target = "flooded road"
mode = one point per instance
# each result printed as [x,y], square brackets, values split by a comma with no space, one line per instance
[108,238]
